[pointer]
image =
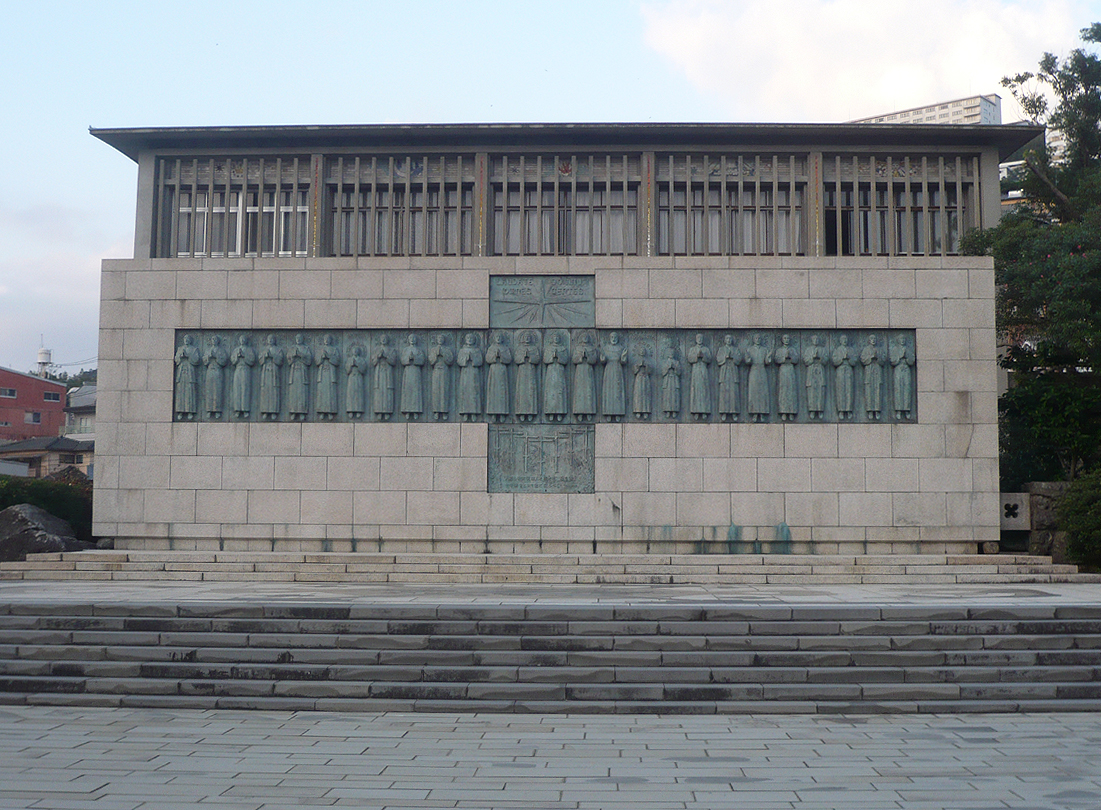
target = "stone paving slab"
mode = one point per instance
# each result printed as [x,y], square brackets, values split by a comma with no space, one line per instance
[161,759]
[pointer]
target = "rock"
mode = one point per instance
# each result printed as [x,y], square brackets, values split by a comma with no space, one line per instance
[1043,500]
[1047,543]
[26,529]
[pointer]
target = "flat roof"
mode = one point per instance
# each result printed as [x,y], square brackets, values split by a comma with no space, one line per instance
[133,141]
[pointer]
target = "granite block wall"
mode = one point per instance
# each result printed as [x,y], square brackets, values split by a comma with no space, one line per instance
[839,488]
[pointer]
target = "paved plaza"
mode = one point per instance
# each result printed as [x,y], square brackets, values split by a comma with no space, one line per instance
[121,759]
[68,758]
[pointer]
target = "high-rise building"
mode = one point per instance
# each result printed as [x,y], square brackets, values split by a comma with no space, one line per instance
[970,110]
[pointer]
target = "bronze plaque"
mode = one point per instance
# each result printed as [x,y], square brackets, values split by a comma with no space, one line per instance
[542,458]
[538,302]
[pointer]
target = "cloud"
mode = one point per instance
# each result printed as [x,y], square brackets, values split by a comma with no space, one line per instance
[49,282]
[835,60]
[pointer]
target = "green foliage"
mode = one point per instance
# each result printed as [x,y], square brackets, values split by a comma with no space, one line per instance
[70,502]
[1047,265]
[1050,428]
[1065,188]
[1080,517]
[85,375]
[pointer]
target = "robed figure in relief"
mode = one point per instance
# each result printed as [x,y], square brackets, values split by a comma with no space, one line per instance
[758,358]
[728,357]
[527,397]
[613,391]
[844,361]
[787,390]
[271,361]
[670,380]
[469,361]
[871,357]
[383,359]
[814,358]
[299,360]
[555,357]
[355,367]
[328,365]
[584,379]
[642,396]
[902,360]
[498,359]
[699,387]
[412,383]
[216,360]
[441,358]
[243,359]
[188,358]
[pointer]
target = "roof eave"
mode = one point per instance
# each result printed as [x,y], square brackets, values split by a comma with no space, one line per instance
[133,141]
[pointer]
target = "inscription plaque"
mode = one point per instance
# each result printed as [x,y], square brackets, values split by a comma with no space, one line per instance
[542,302]
[542,458]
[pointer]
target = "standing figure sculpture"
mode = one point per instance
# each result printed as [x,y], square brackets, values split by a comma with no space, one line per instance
[527,396]
[216,359]
[470,378]
[902,359]
[188,358]
[355,366]
[328,385]
[787,389]
[699,388]
[498,359]
[412,383]
[383,359]
[670,380]
[271,361]
[872,359]
[759,358]
[642,396]
[555,358]
[844,361]
[584,379]
[814,358]
[613,391]
[441,358]
[299,360]
[728,357]
[243,359]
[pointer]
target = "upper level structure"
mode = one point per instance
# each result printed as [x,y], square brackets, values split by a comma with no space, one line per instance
[563,190]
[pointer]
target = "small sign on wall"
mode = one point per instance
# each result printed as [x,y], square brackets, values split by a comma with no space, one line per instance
[1015,515]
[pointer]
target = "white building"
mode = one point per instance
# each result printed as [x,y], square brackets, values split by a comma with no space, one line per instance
[970,110]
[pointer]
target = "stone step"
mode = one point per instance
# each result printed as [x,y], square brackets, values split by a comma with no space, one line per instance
[540,568]
[475,692]
[374,705]
[710,657]
[759,673]
[155,629]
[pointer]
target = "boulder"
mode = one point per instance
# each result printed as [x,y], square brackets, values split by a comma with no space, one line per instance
[26,529]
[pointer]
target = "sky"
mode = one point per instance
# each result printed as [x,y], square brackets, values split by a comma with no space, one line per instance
[67,199]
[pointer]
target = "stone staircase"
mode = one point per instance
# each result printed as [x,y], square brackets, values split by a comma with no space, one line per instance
[534,657]
[367,567]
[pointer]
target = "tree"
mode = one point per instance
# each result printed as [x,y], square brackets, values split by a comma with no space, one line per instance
[1047,261]
[83,377]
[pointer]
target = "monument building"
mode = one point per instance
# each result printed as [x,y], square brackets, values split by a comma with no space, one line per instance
[586,338]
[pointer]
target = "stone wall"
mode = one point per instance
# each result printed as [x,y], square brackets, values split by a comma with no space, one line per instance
[925,485]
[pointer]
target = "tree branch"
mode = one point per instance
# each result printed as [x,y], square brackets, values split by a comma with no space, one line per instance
[1064,201]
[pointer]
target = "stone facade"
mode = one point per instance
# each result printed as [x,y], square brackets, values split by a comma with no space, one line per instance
[928,482]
